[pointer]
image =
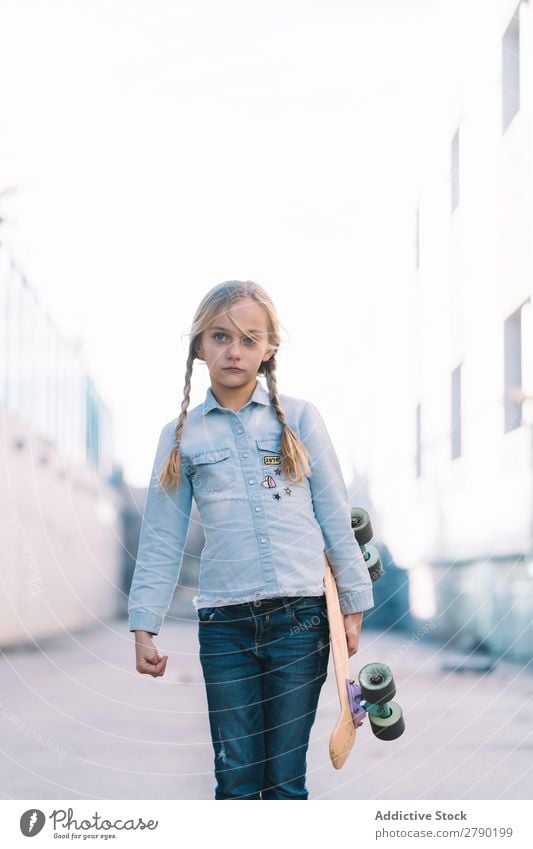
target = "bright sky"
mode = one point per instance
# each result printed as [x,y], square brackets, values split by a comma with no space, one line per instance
[162,147]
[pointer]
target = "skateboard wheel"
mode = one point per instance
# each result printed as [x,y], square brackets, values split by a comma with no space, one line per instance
[377,684]
[362,526]
[388,727]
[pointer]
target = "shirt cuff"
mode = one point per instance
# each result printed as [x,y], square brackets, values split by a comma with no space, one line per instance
[145,622]
[356,600]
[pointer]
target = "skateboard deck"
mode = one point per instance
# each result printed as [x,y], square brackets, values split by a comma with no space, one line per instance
[343,736]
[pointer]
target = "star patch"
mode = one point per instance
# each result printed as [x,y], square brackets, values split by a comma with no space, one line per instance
[276,495]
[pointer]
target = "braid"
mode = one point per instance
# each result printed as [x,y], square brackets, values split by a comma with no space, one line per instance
[294,456]
[171,474]
[272,383]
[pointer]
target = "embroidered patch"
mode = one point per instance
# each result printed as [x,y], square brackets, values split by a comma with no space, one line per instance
[271,459]
[276,495]
[268,482]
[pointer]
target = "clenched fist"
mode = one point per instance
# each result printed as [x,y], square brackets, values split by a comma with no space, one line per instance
[148,660]
[352,626]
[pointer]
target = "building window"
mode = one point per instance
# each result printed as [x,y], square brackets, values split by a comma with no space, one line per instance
[455,171]
[511,70]
[512,333]
[418,441]
[456,412]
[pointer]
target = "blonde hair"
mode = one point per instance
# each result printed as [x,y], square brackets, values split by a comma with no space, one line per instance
[294,455]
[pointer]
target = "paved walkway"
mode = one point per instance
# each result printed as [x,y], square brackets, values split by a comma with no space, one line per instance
[78,722]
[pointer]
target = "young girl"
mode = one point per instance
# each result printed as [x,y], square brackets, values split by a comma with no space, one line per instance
[271,499]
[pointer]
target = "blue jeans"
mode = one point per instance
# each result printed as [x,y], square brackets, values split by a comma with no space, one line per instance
[264,664]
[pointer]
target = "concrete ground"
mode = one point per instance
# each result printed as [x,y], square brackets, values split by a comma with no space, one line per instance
[78,722]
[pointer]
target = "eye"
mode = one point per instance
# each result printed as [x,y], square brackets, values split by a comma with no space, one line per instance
[247,339]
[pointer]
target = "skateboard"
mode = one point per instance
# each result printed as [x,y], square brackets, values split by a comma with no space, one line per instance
[375,685]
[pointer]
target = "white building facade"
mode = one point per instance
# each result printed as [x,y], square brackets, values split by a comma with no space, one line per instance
[451,477]
[60,532]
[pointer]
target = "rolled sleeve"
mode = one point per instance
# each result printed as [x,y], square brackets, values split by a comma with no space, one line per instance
[331,506]
[162,540]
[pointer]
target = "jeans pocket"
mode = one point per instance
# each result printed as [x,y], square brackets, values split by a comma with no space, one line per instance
[222,613]
[205,614]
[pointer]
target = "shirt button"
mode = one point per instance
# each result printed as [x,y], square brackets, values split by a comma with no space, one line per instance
[257,509]
[245,455]
[251,481]
[240,430]
[263,540]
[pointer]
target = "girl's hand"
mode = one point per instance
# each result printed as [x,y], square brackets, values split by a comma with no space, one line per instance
[352,626]
[148,659]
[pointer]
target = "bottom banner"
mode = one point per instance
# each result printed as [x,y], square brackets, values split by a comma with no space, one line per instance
[166,822]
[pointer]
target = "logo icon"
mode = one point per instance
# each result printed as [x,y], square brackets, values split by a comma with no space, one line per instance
[31,822]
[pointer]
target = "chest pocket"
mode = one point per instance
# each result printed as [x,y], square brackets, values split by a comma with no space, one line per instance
[213,470]
[269,452]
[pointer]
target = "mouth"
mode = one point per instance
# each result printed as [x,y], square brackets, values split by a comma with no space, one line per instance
[233,368]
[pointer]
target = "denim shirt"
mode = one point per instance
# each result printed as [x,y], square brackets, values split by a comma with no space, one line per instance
[265,535]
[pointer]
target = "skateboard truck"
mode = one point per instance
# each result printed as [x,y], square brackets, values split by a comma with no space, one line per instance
[376,686]
[363,532]
[354,700]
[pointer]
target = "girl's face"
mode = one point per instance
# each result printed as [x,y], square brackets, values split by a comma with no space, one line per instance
[223,347]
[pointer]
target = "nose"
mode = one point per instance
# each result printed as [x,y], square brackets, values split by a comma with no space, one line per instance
[233,350]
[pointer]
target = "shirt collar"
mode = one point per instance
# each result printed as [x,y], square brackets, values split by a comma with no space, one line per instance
[259,396]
